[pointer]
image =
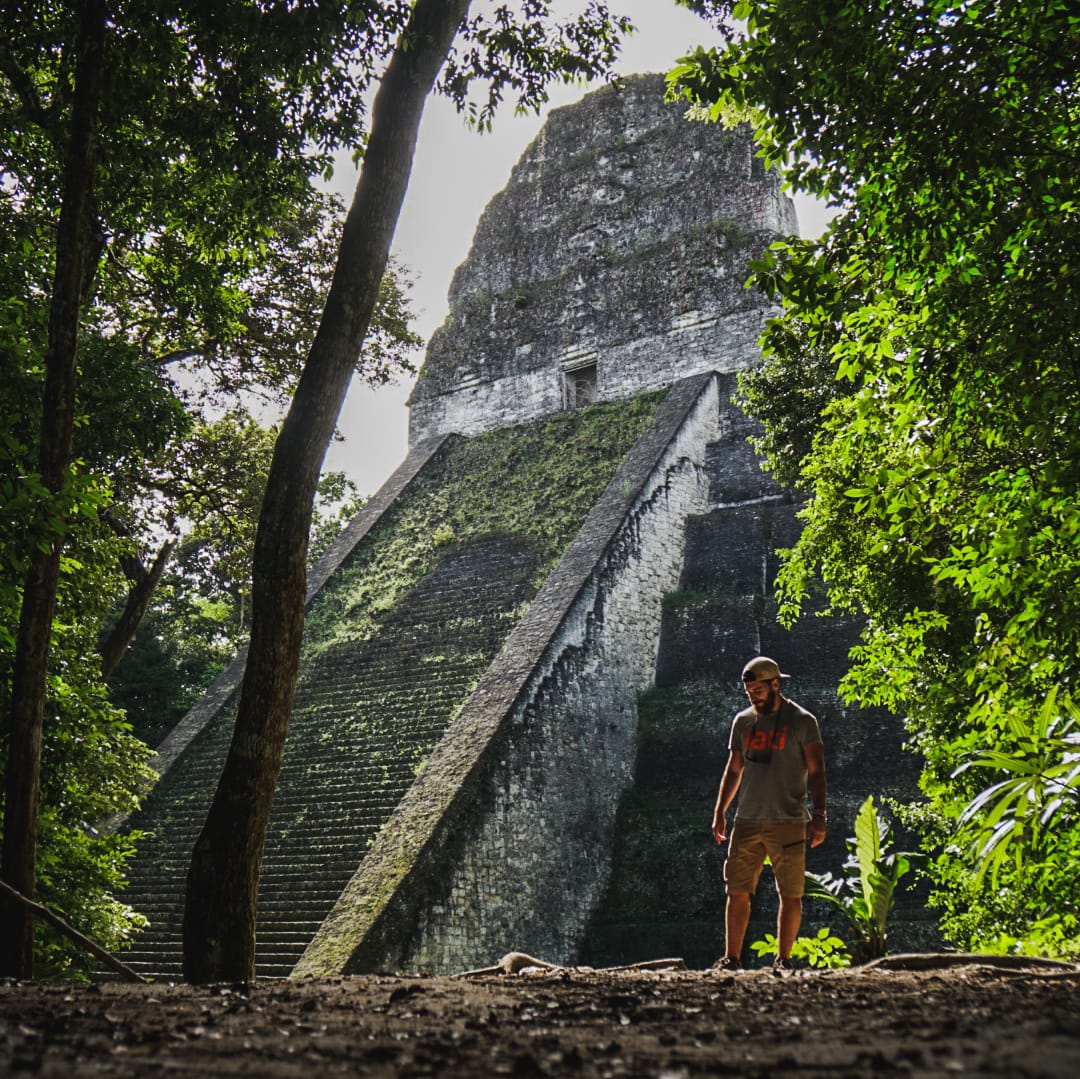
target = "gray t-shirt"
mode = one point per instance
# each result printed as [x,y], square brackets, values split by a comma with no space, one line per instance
[776,790]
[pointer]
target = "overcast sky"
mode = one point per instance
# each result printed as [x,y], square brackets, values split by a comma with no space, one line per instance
[455,174]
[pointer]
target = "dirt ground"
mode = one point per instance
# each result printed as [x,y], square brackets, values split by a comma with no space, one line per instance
[960,1018]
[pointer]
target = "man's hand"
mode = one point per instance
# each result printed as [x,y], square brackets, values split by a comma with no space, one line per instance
[729,784]
[817,831]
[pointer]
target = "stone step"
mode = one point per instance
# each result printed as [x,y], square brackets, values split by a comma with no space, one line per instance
[172,881]
[333,798]
[365,715]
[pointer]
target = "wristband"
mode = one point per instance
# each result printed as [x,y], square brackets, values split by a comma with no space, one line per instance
[822,814]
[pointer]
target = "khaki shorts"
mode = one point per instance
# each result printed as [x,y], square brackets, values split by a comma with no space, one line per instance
[785,845]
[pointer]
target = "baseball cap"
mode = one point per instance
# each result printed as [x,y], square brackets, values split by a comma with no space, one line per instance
[762,669]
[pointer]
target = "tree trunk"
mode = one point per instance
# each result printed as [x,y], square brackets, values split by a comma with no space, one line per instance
[142,591]
[222,884]
[18,865]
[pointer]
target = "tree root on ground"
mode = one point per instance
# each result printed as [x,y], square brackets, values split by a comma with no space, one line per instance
[944,960]
[516,962]
[520,962]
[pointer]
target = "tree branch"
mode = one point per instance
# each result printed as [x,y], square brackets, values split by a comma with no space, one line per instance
[135,608]
[57,922]
[27,92]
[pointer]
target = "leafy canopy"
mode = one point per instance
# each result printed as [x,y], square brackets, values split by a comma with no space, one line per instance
[210,250]
[929,348]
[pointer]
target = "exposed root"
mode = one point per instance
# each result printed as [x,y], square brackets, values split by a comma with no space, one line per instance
[516,962]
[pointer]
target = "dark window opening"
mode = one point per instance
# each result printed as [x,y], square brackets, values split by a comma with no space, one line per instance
[581,387]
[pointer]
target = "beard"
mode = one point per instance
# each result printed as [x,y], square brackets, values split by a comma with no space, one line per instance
[769,704]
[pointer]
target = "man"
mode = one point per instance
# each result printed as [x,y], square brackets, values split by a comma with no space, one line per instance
[775,752]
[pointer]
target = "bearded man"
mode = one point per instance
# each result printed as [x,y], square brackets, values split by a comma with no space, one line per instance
[775,756]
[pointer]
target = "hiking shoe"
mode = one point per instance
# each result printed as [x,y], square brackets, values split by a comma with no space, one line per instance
[783,967]
[726,962]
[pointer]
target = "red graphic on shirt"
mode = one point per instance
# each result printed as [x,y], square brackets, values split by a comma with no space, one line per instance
[774,739]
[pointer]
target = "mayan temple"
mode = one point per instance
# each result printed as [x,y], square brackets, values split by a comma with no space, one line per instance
[522,657]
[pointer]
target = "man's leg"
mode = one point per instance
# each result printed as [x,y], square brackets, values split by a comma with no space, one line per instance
[787,923]
[742,869]
[736,919]
[788,854]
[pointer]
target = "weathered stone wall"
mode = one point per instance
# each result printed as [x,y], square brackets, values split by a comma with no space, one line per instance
[534,868]
[504,841]
[620,244]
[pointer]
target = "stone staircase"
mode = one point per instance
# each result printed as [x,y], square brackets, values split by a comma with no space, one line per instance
[366,716]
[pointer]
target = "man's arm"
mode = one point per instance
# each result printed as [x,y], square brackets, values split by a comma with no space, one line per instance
[814,754]
[729,785]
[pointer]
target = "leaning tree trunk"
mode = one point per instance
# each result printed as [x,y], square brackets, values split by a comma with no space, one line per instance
[18,865]
[131,618]
[222,884]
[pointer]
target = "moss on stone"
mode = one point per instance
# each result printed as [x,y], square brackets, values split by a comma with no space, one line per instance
[682,598]
[536,482]
[696,709]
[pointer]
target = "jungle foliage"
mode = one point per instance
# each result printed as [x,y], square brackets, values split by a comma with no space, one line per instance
[206,250]
[180,151]
[923,385]
[866,895]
